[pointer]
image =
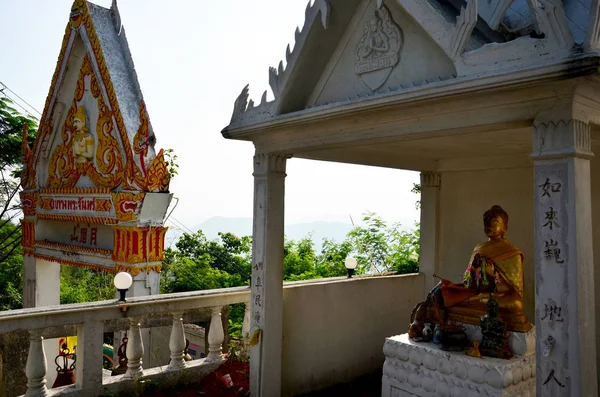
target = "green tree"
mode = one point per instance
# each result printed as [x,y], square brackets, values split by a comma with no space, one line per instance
[299,260]
[11,276]
[11,259]
[199,263]
[383,248]
[11,133]
[85,285]
[331,260]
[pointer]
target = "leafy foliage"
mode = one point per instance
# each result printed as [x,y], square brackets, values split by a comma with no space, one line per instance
[11,133]
[171,161]
[11,276]
[85,285]
[11,259]
[198,263]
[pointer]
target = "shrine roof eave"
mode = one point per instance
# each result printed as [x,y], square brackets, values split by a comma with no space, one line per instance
[575,66]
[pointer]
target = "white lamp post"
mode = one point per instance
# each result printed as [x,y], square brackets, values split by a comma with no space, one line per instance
[350,265]
[123,281]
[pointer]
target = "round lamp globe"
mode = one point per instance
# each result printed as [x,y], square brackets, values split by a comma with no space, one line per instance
[351,263]
[123,280]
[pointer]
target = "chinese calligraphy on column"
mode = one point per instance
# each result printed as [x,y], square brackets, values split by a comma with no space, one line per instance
[552,260]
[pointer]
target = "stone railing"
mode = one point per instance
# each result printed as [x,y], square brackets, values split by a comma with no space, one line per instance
[89,321]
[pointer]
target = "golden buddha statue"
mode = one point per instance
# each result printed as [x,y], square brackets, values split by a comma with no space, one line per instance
[83,141]
[495,271]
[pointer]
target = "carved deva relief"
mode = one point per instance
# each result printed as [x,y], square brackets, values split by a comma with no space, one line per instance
[86,150]
[378,50]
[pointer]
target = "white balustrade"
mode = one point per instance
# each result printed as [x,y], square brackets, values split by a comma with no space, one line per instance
[36,366]
[135,350]
[177,343]
[91,319]
[216,336]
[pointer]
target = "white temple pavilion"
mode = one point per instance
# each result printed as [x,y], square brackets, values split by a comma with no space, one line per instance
[489,100]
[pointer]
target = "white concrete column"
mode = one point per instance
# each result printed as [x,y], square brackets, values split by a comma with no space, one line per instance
[88,367]
[155,354]
[430,208]
[267,274]
[45,287]
[29,281]
[564,274]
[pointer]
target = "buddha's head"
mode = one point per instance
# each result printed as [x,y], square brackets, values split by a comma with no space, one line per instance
[495,222]
[375,24]
[79,120]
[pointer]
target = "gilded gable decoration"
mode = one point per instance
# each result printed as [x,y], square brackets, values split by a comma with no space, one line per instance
[93,165]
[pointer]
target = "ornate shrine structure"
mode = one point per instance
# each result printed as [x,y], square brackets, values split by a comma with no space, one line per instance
[95,192]
[494,102]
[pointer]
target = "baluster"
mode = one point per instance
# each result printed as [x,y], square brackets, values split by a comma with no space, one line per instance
[177,343]
[35,370]
[216,336]
[135,351]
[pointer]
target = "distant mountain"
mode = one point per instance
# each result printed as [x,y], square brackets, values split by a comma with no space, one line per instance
[243,227]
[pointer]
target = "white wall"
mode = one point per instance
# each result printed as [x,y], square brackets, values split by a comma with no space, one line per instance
[47,293]
[595,171]
[334,331]
[464,197]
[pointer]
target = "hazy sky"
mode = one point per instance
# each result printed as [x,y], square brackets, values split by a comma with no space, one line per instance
[193,57]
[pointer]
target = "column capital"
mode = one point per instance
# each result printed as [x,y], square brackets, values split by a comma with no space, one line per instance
[431,179]
[561,138]
[270,163]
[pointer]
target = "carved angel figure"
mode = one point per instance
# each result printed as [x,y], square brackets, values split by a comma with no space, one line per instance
[380,38]
[83,143]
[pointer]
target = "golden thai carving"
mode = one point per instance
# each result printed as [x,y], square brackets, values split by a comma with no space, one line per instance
[69,262]
[74,248]
[79,219]
[127,205]
[76,190]
[495,271]
[138,244]
[83,142]
[77,10]
[63,171]
[28,202]
[102,205]
[107,170]
[135,270]
[158,174]
[27,234]
[46,203]
[141,141]
[28,174]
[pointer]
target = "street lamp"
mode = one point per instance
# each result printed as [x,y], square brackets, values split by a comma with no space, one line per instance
[350,265]
[123,281]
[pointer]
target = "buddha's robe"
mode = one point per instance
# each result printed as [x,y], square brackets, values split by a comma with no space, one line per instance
[502,268]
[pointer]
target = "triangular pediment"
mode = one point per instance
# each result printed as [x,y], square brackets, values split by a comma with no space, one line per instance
[95,131]
[383,49]
[411,46]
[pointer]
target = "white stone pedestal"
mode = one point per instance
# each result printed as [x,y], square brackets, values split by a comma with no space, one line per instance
[422,369]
